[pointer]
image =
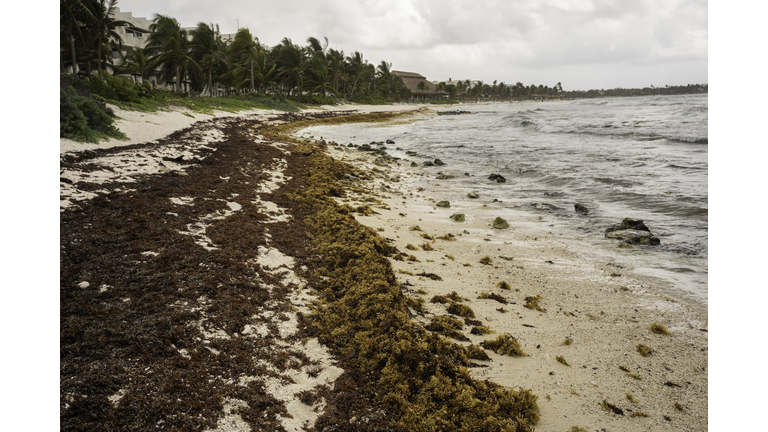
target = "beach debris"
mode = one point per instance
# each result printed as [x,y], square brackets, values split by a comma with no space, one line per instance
[532,302]
[438,162]
[500,223]
[505,344]
[657,328]
[632,231]
[473,195]
[580,208]
[458,217]
[562,360]
[493,296]
[447,326]
[504,285]
[498,177]
[430,275]
[84,285]
[567,342]
[456,112]
[481,330]
[644,350]
[449,298]
[444,204]
[486,260]
[611,407]
[461,310]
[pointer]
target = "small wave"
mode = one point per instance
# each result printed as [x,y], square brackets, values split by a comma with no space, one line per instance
[691,140]
[685,167]
[614,182]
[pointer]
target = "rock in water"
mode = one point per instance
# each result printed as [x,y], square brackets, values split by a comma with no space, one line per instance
[365,147]
[500,223]
[581,209]
[429,163]
[438,162]
[458,217]
[632,231]
[445,204]
[473,195]
[497,177]
[414,164]
[389,141]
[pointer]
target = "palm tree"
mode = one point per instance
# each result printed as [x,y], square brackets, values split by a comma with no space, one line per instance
[169,47]
[245,44]
[356,68]
[336,67]
[102,23]
[294,64]
[71,13]
[207,49]
[136,62]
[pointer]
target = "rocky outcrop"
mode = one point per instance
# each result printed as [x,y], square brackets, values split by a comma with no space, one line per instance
[633,232]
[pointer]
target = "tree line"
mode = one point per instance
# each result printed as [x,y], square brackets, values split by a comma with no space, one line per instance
[211,64]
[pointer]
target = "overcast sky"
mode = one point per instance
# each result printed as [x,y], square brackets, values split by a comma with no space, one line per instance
[583,44]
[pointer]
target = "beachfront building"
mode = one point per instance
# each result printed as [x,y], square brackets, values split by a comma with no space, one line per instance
[420,88]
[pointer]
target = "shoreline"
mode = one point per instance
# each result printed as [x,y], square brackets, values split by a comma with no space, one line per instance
[525,272]
[604,315]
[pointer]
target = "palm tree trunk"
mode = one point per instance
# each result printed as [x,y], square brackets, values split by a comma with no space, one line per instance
[98,54]
[210,83]
[74,58]
[177,84]
[252,86]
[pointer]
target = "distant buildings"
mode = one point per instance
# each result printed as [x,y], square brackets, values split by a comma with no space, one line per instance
[419,86]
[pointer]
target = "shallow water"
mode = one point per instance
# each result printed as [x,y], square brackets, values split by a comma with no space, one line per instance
[644,158]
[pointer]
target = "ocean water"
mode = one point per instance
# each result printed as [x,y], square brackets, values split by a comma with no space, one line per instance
[644,158]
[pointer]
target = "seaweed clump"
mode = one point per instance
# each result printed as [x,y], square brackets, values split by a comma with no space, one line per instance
[493,296]
[447,326]
[505,344]
[561,359]
[658,329]
[486,260]
[504,285]
[532,302]
[644,350]
[461,310]
[362,314]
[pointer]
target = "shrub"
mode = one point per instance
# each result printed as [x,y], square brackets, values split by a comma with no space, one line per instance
[115,88]
[85,118]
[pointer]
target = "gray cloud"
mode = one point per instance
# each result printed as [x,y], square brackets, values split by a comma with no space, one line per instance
[582,43]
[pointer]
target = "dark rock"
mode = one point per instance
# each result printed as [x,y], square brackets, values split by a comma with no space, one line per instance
[438,162]
[350,145]
[497,177]
[322,142]
[410,153]
[428,163]
[365,147]
[632,231]
[473,195]
[458,217]
[389,141]
[580,209]
[466,174]
[414,164]
[445,204]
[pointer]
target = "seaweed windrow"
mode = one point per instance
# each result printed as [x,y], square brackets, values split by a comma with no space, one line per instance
[363,314]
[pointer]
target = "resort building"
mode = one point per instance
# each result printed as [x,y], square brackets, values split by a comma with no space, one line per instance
[419,86]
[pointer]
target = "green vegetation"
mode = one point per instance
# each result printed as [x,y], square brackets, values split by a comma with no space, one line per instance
[422,377]
[83,117]
[505,345]
[659,329]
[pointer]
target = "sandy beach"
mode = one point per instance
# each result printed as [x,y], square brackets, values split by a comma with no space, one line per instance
[186,246]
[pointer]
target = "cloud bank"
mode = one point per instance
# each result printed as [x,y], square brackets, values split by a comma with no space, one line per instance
[581,43]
